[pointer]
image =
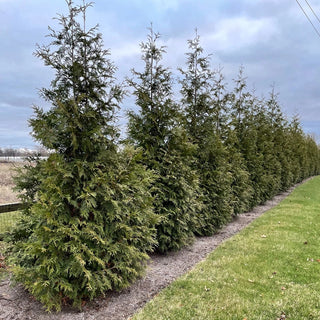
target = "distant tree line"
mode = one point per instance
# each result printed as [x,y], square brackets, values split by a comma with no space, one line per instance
[21,152]
[96,206]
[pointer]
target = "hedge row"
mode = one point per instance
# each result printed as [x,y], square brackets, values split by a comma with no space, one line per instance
[216,152]
[95,208]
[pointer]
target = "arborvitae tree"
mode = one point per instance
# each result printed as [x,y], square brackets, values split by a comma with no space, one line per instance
[270,178]
[275,151]
[298,150]
[313,156]
[243,110]
[225,129]
[156,127]
[280,166]
[241,185]
[203,105]
[257,122]
[196,86]
[88,222]
[240,104]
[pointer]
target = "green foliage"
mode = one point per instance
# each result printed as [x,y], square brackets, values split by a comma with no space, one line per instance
[157,129]
[203,102]
[267,269]
[88,222]
[83,238]
[94,209]
[7,221]
[242,191]
[256,141]
[274,149]
[242,113]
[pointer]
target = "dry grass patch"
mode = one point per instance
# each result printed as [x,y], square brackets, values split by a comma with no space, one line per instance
[7,195]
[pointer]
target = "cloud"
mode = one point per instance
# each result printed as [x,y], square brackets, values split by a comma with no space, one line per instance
[126,50]
[14,130]
[164,5]
[232,34]
[271,38]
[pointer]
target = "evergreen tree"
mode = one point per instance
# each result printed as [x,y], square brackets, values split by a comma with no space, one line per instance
[298,150]
[244,106]
[269,178]
[196,89]
[88,221]
[226,129]
[280,165]
[276,151]
[203,101]
[313,156]
[156,127]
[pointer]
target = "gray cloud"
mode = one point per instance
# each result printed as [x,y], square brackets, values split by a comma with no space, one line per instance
[270,38]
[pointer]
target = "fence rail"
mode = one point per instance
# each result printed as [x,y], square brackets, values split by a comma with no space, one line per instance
[11,207]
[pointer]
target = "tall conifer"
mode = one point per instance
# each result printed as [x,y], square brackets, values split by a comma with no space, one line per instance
[88,221]
[243,109]
[203,105]
[156,127]
[280,164]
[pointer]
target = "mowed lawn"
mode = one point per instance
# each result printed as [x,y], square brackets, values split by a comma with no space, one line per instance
[271,270]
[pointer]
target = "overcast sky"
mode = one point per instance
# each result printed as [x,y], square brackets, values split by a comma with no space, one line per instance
[272,39]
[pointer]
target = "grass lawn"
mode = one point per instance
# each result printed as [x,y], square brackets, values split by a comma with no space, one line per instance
[7,220]
[270,269]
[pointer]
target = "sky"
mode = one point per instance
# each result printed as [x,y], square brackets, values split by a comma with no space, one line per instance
[271,39]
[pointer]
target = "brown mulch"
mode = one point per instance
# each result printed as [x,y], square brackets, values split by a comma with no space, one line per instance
[16,303]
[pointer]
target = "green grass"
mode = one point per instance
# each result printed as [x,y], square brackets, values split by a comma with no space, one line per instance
[7,220]
[272,266]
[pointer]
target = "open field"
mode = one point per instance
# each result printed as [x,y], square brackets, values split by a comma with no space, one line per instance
[7,195]
[268,271]
[6,183]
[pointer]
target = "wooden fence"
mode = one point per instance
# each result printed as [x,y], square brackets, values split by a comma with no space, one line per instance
[11,207]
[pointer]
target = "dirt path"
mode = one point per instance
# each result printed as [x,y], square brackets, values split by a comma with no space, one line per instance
[16,304]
